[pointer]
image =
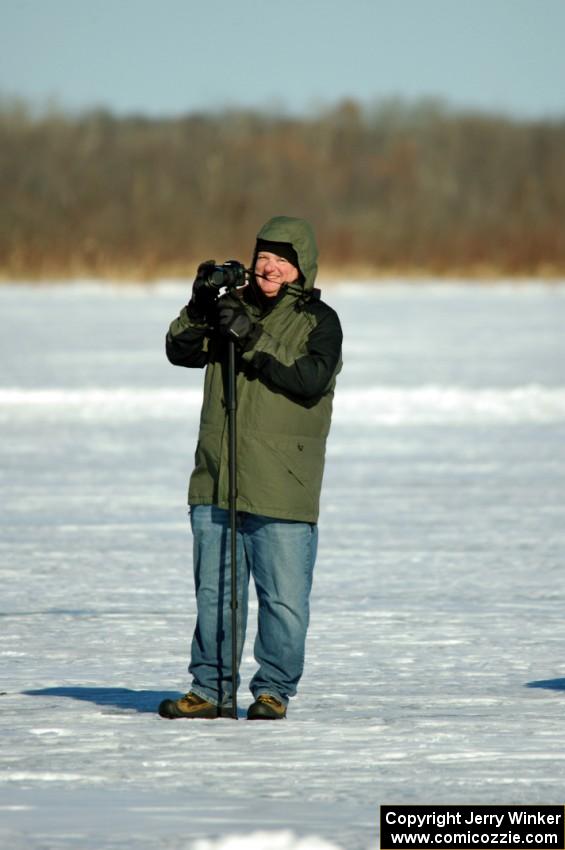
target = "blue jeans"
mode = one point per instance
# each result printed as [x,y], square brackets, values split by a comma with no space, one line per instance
[280,555]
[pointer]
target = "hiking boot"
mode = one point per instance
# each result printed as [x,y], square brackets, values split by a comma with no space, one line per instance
[266,707]
[192,705]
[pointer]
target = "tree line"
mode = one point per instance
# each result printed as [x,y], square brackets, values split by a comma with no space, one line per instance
[390,188]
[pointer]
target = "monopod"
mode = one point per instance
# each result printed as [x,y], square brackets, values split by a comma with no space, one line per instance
[232,496]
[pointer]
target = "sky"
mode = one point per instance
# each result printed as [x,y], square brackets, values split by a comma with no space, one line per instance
[167,57]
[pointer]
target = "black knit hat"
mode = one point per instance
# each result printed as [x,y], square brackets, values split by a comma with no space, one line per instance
[281,249]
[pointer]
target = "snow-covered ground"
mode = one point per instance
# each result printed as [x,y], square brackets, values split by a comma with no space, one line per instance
[436,656]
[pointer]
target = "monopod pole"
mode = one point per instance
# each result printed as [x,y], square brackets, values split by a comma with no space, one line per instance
[232,410]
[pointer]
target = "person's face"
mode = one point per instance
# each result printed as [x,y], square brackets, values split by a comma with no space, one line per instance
[275,271]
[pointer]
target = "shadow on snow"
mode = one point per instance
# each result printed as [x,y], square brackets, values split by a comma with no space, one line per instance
[549,684]
[144,702]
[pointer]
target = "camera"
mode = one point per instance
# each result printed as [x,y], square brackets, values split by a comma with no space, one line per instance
[231,274]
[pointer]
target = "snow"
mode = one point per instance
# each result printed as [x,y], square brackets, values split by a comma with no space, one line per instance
[285,840]
[380,405]
[434,670]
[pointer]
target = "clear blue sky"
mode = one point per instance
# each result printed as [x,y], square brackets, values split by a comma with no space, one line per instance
[163,57]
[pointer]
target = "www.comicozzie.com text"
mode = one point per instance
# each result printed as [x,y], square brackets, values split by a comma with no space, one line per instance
[467,827]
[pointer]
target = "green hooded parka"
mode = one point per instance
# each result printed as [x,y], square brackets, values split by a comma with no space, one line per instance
[285,386]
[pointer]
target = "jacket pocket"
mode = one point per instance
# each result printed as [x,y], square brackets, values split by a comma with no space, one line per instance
[281,472]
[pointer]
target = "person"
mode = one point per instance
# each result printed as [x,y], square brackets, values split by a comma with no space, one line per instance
[288,344]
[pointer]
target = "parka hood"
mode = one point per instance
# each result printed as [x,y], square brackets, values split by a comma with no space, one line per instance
[299,233]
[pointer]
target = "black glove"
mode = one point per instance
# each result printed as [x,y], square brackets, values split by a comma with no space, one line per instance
[234,320]
[204,296]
